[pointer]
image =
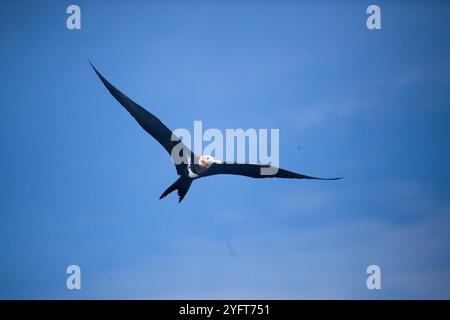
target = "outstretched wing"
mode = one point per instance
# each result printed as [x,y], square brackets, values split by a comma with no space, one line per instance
[256,171]
[148,122]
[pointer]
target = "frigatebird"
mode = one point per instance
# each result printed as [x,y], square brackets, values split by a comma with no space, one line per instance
[189,165]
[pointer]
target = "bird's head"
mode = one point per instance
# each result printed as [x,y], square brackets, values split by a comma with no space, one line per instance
[205,162]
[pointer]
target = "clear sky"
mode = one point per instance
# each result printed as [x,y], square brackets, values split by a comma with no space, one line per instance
[80,180]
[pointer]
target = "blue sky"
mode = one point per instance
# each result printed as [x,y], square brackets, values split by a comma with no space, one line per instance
[80,180]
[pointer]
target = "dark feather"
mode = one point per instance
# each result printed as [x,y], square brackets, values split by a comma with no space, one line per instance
[255,171]
[148,121]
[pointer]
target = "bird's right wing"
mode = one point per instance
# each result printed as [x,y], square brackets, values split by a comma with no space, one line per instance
[255,171]
[149,123]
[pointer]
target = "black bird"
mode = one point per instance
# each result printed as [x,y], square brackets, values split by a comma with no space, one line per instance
[190,166]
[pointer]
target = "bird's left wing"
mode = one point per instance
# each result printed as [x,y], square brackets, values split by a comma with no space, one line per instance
[149,123]
[255,171]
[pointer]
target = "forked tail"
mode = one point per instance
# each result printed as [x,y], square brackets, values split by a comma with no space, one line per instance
[182,185]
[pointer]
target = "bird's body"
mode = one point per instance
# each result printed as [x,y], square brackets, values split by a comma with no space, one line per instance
[197,170]
[190,166]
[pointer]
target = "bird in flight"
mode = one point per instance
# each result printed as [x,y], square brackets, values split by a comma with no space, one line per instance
[189,165]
